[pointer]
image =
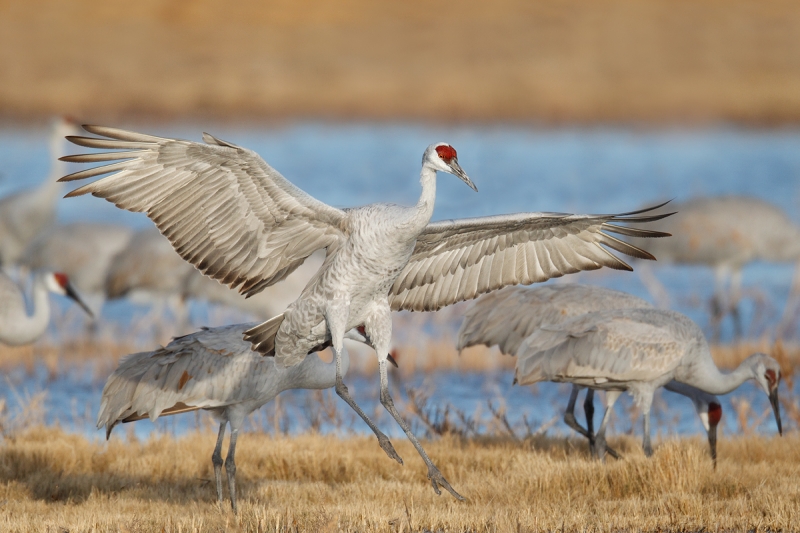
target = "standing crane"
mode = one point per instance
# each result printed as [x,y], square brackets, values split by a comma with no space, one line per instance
[726,233]
[213,369]
[226,211]
[27,213]
[16,326]
[635,350]
[506,317]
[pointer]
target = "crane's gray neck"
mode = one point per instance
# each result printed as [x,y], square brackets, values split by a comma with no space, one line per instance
[25,328]
[51,188]
[314,373]
[424,207]
[708,378]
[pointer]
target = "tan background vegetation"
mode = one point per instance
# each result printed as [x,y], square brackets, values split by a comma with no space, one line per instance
[510,60]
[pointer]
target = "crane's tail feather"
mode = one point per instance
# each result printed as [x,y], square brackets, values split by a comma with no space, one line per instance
[262,337]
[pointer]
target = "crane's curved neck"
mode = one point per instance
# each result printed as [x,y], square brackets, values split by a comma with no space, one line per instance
[314,373]
[708,378]
[25,329]
[424,207]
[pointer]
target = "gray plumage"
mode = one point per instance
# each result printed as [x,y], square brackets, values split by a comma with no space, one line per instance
[83,251]
[148,269]
[505,318]
[635,350]
[17,327]
[213,369]
[234,217]
[27,213]
[726,233]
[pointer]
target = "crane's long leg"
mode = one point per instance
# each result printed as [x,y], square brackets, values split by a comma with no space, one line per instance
[434,474]
[646,444]
[569,414]
[588,409]
[336,326]
[733,309]
[230,467]
[600,447]
[216,459]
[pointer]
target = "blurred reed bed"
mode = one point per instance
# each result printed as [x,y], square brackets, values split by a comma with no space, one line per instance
[53,481]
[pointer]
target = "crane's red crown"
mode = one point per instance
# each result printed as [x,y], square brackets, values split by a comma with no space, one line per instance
[714,413]
[61,279]
[446,152]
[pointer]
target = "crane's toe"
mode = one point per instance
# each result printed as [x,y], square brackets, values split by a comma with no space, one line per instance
[437,479]
[387,446]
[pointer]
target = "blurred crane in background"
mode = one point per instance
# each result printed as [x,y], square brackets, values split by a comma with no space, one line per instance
[83,251]
[17,327]
[726,233]
[25,214]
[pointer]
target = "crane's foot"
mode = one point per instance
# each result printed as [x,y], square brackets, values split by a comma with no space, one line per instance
[613,453]
[387,446]
[437,479]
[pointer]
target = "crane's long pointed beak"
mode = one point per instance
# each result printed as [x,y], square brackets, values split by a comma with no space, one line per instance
[773,399]
[712,443]
[458,171]
[73,295]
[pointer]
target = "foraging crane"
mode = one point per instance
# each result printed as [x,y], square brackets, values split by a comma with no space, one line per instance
[16,326]
[27,213]
[226,211]
[635,350]
[83,251]
[213,369]
[726,233]
[506,317]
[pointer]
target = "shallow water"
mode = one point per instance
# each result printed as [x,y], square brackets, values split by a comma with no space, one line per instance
[515,169]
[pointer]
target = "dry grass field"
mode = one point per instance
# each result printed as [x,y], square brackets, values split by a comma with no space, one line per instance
[509,60]
[52,481]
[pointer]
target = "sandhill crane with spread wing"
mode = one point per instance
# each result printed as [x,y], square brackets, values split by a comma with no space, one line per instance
[726,233]
[226,211]
[213,369]
[27,213]
[635,350]
[16,326]
[506,317]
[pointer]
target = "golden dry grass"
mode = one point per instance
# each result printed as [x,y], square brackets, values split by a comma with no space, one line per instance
[51,480]
[512,60]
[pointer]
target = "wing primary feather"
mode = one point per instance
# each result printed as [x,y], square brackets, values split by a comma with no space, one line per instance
[91,142]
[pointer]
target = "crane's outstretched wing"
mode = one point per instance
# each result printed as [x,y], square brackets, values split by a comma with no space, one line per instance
[456,260]
[223,208]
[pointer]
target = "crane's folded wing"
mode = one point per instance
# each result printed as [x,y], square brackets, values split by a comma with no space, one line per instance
[223,208]
[456,260]
[601,347]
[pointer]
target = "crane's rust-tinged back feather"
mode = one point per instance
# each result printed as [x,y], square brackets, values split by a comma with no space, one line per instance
[456,260]
[207,369]
[223,208]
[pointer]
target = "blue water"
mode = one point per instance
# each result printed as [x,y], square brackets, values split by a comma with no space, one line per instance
[516,169]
